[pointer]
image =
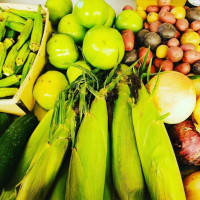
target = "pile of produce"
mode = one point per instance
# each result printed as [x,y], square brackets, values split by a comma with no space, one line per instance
[118,104]
[20,37]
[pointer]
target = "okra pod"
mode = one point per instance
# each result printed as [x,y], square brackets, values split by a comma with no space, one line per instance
[25,33]
[27,66]
[9,65]
[7,92]
[23,54]
[2,56]
[15,26]
[9,81]
[23,13]
[8,42]
[37,32]
[2,28]
[13,18]
[10,33]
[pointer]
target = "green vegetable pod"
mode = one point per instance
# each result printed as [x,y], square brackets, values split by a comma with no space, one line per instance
[15,26]
[126,166]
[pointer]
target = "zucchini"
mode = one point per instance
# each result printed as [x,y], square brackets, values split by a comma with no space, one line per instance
[12,144]
[5,122]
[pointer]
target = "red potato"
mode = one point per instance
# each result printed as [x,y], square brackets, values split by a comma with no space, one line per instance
[186,7]
[153,69]
[175,54]
[152,8]
[142,53]
[165,8]
[177,35]
[195,25]
[173,42]
[127,7]
[182,24]
[198,32]
[163,2]
[183,68]
[129,39]
[137,65]
[146,25]
[154,26]
[167,65]
[191,56]
[157,62]
[167,17]
[188,47]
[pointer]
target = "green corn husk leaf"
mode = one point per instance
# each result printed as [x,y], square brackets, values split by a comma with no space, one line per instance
[59,189]
[46,164]
[35,144]
[86,178]
[158,160]
[126,166]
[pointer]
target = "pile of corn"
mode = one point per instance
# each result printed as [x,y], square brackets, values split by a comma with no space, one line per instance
[20,37]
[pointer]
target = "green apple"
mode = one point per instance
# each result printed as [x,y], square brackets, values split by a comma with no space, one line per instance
[58,9]
[69,25]
[90,13]
[47,88]
[103,47]
[129,19]
[111,17]
[62,51]
[73,73]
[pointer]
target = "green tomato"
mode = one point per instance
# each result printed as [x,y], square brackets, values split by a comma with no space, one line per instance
[48,87]
[90,13]
[103,47]
[129,19]
[73,73]
[62,50]
[111,17]
[69,25]
[58,9]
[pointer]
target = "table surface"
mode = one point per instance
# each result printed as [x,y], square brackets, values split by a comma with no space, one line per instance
[116,4]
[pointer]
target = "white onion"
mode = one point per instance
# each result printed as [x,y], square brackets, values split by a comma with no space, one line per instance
[174,94]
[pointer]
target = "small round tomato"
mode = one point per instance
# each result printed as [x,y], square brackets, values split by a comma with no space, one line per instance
[129,19]
[48,87]
[62,50]
[161,51]
[152,17]
[178,12]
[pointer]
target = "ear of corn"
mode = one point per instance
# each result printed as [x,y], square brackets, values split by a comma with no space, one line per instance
[26,32]
[36,35]
[35,144]
[46,164]
[159,163]
[86,177]
[126,167]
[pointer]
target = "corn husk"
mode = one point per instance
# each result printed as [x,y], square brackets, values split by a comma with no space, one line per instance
[126,166]
[86,178]
[158,160]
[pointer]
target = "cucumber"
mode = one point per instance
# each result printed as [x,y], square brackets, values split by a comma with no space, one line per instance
[5,122]
[12,144]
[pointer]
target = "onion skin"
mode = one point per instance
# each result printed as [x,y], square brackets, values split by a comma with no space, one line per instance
[174,94]
[186,142]
[192,186]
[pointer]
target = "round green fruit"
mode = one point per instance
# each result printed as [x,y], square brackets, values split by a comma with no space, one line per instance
[129,19]
[111,17]
[62,50]
[103,47]
[48,87]
[69,25]
[73,73]
[58,9]
[90,13]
